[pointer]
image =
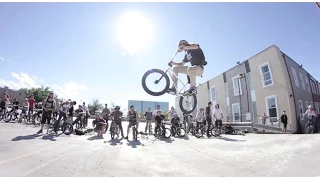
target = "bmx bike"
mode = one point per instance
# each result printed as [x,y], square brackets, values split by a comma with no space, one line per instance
[187,101]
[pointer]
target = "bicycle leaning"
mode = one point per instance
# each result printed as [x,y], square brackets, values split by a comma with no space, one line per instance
[161,131]
[187,101]
[178,130]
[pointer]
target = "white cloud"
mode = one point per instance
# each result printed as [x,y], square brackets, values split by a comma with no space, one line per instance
[67,90]
[1,59]
[70,90]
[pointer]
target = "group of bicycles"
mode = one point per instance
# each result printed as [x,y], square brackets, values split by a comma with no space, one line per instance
[23,117]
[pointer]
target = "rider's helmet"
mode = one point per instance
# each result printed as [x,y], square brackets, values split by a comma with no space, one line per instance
[183,42]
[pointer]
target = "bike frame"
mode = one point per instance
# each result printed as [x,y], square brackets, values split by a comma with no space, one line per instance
[170,72]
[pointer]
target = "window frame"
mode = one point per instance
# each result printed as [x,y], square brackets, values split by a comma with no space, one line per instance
[295,77]
[302,81]
[236,93]
[301,108]
[267,106]
[262,77]
[233,116]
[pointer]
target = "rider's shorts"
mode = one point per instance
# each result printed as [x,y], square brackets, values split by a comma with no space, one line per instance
[218,122]
[132,122]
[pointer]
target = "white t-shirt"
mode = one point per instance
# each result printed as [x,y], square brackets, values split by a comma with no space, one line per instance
[200,117]
[65,107]
[85,109]
[155,112]
[217,113]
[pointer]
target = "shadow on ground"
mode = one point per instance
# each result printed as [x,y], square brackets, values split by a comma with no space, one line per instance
[49,137]
[230,139]
[134,144]
[26,137]
[114,142]
[95,138]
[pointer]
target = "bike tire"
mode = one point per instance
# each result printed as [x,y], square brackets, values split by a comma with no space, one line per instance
[8,119]
[196,132]
[135,134]
[181,102]
[67,128]
[112,133]
[167,133]
[216,132]
[152,93]
[181,132]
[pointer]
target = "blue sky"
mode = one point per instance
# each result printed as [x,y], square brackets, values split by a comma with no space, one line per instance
[74,47]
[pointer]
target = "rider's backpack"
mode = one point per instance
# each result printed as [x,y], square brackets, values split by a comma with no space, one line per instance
[79,132]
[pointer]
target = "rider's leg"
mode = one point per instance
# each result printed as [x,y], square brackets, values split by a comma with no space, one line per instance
[193,72]
[174,75]
[128,130]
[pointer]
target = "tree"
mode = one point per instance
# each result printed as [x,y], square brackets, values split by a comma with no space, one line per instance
[95,106]
[39,93]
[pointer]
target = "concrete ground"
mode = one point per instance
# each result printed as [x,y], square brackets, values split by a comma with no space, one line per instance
[22,153]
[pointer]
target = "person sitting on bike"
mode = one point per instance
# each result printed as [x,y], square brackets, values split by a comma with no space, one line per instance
[25,107]
[15,107]
[311,114]
[217,114]
[99,124]
[175,122]
[117,118]
[194,55]
[133,116]
[200,117]
[79,114]
[158,121]
[64,107]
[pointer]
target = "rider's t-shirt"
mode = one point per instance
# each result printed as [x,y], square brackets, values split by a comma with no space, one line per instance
[159,118]
[16,104]
[175,121]
[194,56]
[49,104]
[132,115]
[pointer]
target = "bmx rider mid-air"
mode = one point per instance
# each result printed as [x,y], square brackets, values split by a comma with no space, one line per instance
[194,55]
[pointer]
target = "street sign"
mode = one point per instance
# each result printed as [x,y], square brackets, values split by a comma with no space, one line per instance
[248,116]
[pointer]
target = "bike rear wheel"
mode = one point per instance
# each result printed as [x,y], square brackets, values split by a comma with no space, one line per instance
[67,128]
[167,133]
[198,132]
[216,131]
[164,76]
[188,103]
[181,132]
[112,132]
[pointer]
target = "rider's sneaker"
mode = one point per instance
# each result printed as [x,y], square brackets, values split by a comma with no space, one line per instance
[39,132]
[172,91]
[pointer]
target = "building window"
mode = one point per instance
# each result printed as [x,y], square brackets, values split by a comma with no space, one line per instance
[307,83]
[312,86]
[236,86]
[301,109]
[236,112]
[294,73]
[266,75]
[213,95]
[316,107]
[302,81]
[311,103]
[272,108]
[307,104]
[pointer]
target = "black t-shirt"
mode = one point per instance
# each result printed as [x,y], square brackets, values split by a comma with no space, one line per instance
[2,103]
[195,56]
[284,119]
[16,104]
[159,118]
[70,111]
[132,115]
[79,111]
[175,121]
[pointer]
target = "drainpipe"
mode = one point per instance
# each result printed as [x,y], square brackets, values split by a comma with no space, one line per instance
[294,102]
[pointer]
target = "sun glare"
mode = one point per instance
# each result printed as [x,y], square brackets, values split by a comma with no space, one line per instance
[135,32]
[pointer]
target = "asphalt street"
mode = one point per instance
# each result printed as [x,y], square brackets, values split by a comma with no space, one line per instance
[22,153]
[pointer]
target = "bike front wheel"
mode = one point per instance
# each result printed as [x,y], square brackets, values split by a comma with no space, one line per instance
[159,74]
[181,132]
[188,103]
[198,132]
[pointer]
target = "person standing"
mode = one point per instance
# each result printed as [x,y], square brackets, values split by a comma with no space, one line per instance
[208,116]
[148,116]
[105,115]
[200,117]
[86,115]
[171,112]
[32,103]
[48,106]
[263,118]
[284,121]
